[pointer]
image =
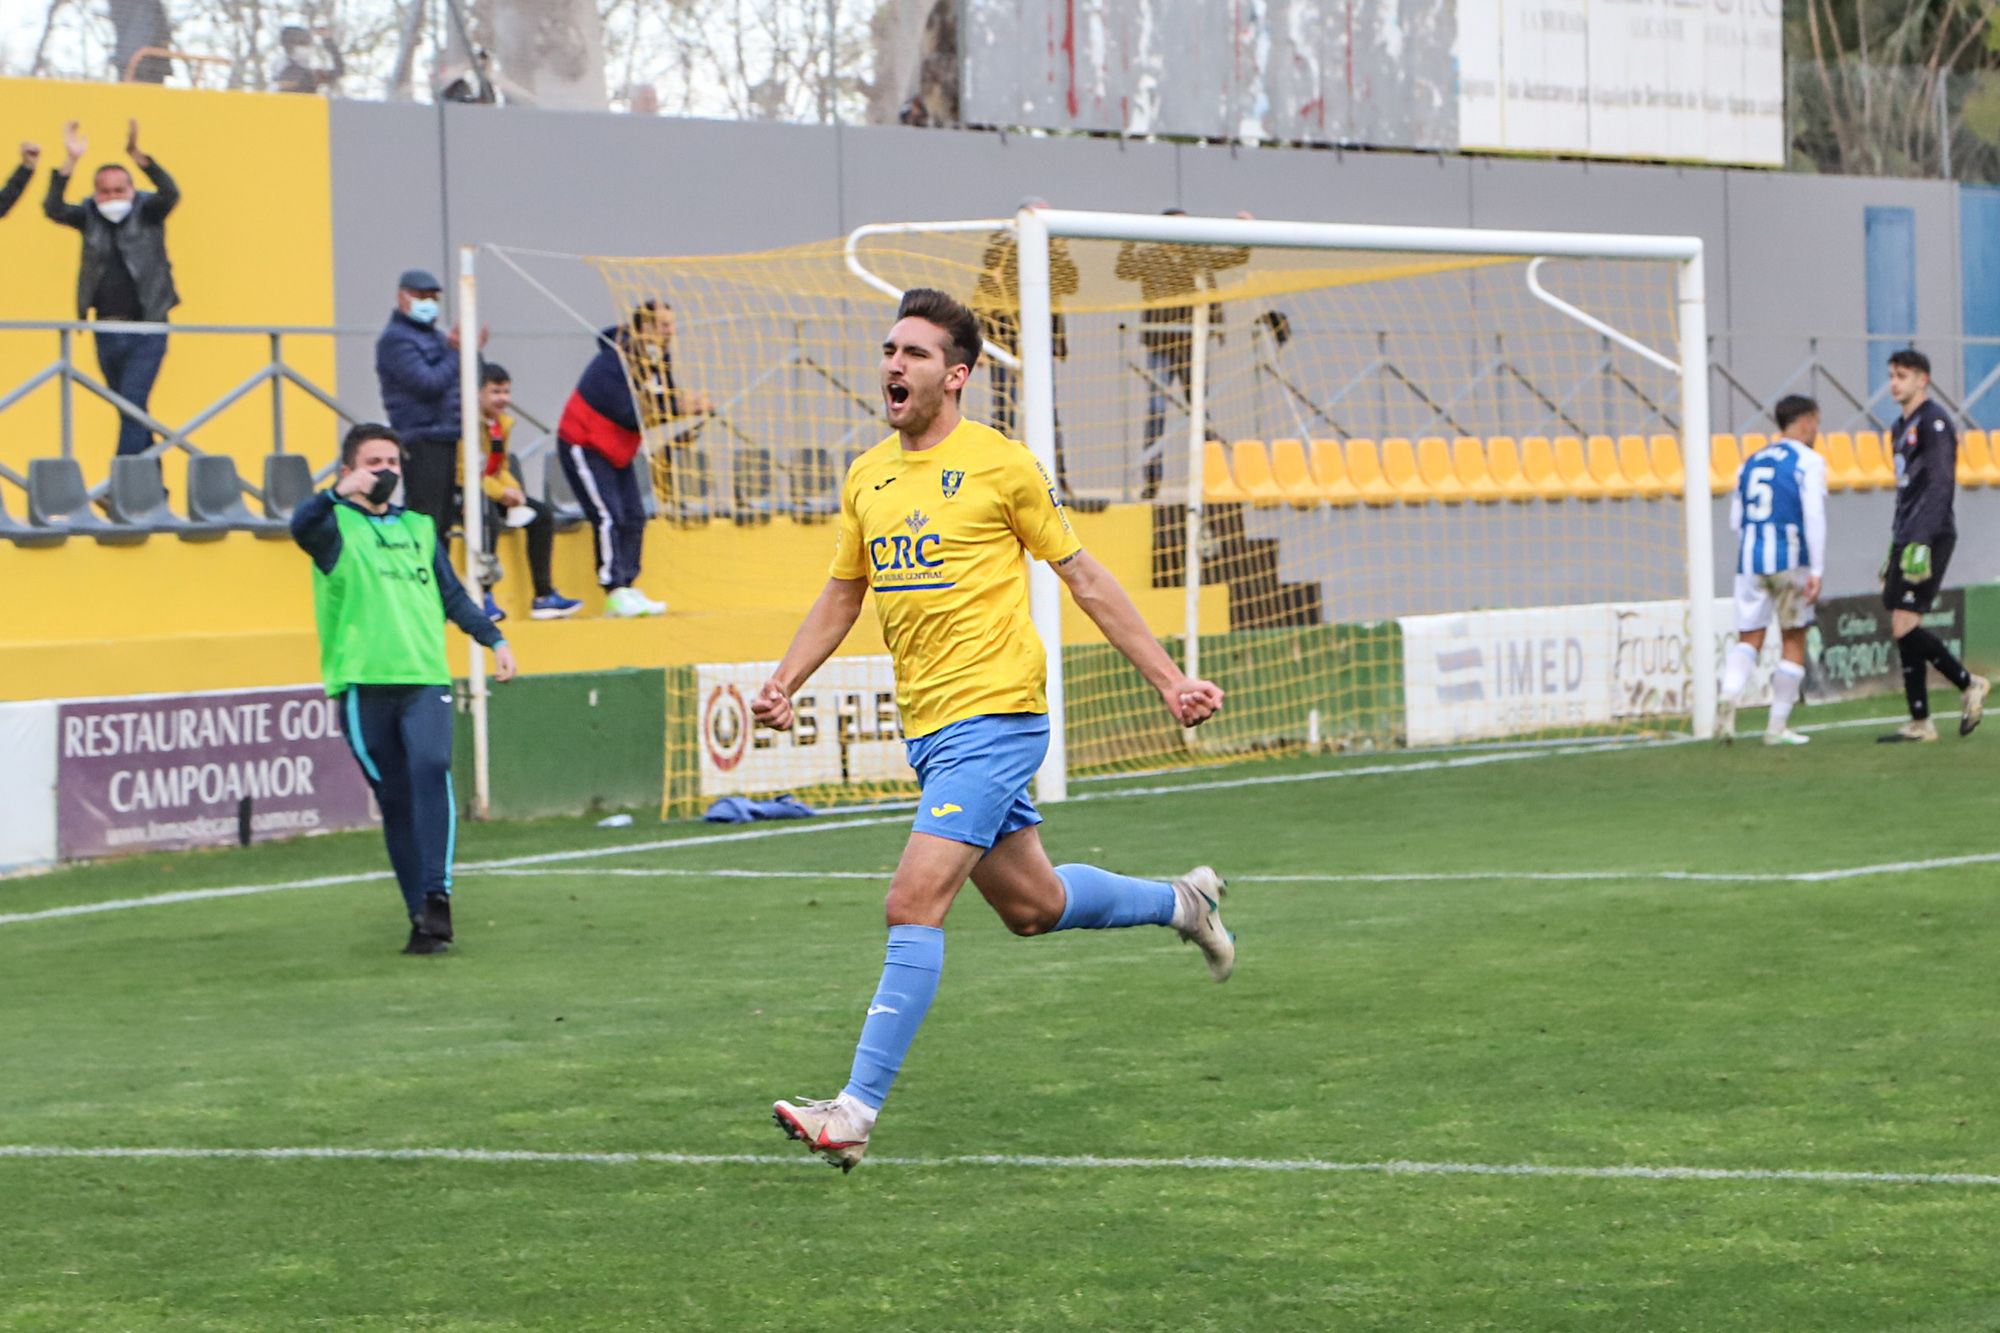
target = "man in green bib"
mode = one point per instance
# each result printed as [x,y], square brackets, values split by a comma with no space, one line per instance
[382,588]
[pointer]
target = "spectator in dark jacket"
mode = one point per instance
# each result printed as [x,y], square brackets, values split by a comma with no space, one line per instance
[10,193]
[301,72]
[416,364]
[125,274]
[599,436]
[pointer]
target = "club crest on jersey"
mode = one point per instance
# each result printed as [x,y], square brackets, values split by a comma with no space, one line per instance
[917,521]
[950,480]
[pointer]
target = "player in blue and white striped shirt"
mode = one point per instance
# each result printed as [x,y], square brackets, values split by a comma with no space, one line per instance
[1779,514]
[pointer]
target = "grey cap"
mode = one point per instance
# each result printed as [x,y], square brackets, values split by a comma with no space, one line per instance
[419,280]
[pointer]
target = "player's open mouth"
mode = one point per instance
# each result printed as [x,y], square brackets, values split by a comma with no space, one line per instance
[898,394]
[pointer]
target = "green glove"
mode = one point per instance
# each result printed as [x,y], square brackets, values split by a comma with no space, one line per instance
[1916,562]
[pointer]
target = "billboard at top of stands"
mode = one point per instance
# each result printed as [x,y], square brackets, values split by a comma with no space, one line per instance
[1688,80]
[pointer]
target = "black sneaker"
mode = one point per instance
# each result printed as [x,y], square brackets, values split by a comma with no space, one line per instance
[436,919]
[423,943]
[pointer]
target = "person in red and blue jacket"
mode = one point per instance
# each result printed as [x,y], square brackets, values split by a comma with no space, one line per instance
[599,437]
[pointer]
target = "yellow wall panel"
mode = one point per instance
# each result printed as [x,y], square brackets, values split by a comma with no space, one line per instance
[251,243]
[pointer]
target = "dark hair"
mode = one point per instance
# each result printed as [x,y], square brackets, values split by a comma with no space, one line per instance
[1909,358]
[1791,407]
[118,167]
[651,305]
[960,325]
[350,448]
[492,372]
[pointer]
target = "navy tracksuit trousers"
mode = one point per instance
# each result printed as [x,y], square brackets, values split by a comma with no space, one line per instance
[401,737]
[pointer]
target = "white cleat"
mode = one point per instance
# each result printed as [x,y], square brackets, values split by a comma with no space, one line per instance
[1786,736]
[650,606]
[1725,721]
[1974,706]
[1197,898]
[827,1127]
[624,604]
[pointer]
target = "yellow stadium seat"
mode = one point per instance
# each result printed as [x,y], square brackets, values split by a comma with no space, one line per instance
[1843,469]
[1975,460]
[1573,467]
[1252,467]
[1538,466]
[1637,466]
[1601,454]
[1293,477]
[1364,468]
[1667,464]
[1723,462]
[1503,464]
[1435,470]
[1217,485]
[1329,470]
[1468,461]
[1878,470]
[1399,468]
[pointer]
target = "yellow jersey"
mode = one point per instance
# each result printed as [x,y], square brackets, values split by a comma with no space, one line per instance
[938,533]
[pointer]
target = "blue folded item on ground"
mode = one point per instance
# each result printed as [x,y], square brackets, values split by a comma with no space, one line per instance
[741,809]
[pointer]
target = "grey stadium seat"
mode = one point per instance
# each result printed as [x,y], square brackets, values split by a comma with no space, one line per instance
[215,501]
[814,484]
[137,498]
[755,484]
[23,534]
[288,483]
[57,498]
[557,494]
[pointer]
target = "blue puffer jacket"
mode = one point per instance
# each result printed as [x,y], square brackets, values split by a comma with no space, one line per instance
[418,373]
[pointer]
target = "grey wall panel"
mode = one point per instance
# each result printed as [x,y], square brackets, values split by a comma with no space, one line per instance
[1323,186]
[891,174]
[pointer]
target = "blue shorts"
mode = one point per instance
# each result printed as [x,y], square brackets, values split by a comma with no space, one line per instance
[976,774]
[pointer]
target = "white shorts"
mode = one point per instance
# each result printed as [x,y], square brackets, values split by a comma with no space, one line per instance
[1760,596]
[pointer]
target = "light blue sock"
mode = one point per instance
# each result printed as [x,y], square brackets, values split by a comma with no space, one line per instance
[909,984]
[1100,900]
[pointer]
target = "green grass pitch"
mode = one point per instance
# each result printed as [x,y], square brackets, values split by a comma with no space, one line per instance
[1454,1001]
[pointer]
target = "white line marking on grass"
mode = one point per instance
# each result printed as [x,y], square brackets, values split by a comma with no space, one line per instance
[1028,1161]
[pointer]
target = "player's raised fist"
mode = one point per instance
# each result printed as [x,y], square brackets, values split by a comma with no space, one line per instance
[1193,702]
[772,707]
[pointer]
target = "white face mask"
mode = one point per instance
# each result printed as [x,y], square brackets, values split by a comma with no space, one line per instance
[114,211]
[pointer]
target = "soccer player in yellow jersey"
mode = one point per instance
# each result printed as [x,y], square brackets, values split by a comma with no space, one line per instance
[934,520]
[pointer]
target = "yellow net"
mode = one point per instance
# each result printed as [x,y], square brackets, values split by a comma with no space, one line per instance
[1434,508]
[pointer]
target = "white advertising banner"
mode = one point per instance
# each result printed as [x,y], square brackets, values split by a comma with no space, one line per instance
[1685,80]
[1487,674]
[846,729]
[28,784]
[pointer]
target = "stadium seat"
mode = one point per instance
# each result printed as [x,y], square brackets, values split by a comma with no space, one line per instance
[557,494]
[215,501]
[1637,466]
[756,483]
[57,498]
[1468,461]
[288,483]
[1975,460]
[1364,469]
[1877,468]
[1601,455]
[1843,469]
[1435,470]
[1252,467]
[693,484]
[1218,485]
[1667,464]
[1503,463]
[1573,468]
[1723,463]
[24,534]
[1399,469]
[814,485]
[137,499]
[1330,476]
[1293,478]
[1539,471]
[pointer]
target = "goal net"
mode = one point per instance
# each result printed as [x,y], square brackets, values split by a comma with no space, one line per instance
[1398,488]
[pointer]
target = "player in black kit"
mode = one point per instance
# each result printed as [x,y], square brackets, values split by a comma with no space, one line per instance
[1920,548]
